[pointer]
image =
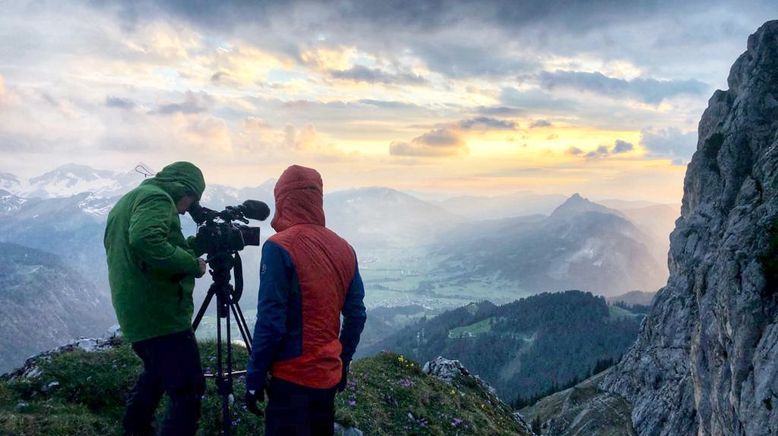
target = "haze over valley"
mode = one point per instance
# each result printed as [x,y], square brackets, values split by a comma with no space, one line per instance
[416,256]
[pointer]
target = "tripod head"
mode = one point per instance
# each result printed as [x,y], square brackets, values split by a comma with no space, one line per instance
[222,240]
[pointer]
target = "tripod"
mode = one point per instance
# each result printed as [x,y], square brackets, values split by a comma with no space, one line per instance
[226,303]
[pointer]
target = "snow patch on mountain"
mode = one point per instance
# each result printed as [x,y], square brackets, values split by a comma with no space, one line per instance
[9,182]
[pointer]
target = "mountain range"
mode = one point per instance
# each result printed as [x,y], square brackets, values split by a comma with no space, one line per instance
[412,252]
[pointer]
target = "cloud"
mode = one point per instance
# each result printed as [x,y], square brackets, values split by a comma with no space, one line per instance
[119,102]
[669,143]
[447,139]
[387,104]
[647,90]
[468,59]
[540,123]
[439,142]
[219,76]
[602,151]
[622,147]
[360,73]
[486,123]
[499,110]
[192,104]
[574,151]
[536,99]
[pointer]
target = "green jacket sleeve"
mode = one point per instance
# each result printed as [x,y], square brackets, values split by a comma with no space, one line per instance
[148,238]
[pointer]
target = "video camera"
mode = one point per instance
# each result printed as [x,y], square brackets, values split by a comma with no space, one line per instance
[218,234]
[222,239]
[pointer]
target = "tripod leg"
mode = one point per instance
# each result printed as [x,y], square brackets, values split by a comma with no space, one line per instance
[242,327]
[203,308]
[228,380]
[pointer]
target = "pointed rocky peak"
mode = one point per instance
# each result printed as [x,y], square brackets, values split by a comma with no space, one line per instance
[576,205]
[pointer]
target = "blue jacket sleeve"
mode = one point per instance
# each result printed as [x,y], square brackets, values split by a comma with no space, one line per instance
[275,282]
[354,317]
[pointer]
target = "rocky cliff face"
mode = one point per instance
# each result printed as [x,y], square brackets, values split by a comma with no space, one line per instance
[706,360]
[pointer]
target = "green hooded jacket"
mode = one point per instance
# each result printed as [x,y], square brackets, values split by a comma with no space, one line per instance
[151,268]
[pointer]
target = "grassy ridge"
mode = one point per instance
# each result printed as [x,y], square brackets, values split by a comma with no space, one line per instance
[79,392]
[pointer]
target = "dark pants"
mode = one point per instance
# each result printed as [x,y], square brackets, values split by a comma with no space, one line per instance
[171,365]
[296,410]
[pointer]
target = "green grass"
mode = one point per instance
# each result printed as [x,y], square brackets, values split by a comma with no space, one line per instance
[387,394]
[617,312]
[475,329]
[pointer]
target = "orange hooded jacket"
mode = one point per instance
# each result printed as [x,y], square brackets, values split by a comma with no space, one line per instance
[308,277]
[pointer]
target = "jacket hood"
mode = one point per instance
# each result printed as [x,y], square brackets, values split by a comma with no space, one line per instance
[299,195]
[178,179]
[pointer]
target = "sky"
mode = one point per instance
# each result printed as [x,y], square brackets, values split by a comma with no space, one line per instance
[438,97]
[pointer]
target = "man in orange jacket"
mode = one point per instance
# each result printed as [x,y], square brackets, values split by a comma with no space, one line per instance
[308,278]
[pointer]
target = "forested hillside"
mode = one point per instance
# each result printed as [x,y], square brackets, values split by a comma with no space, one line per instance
[527,347]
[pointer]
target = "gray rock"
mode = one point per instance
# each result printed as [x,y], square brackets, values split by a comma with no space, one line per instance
[706,359]
[341,430]
[449,370]
[31,370]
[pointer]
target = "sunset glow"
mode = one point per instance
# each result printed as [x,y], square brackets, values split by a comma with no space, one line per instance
[449,101]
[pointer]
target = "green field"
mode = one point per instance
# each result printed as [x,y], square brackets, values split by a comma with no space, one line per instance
[475,329]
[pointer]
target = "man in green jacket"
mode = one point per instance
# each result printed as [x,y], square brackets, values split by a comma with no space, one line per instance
[152,271]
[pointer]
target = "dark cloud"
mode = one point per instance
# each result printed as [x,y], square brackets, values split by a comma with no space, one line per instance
[442,137]
[644,89]
[574,151]
[193,103]
[119,102]
[426,15]
[462,61]
[361,73]
[487,123]
[439,142]
[670,143]
[602,151]
[622,146]
[536,99]
[219,76]
[540,123]
[449,36]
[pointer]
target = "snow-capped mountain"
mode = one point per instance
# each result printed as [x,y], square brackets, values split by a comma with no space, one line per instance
[69,180]
[9,182]
[10,203]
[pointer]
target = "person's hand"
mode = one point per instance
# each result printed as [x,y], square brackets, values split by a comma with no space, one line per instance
[341,386]
[203,267]
[254,399]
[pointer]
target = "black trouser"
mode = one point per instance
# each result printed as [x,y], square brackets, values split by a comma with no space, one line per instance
[171,364]
[296,410]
